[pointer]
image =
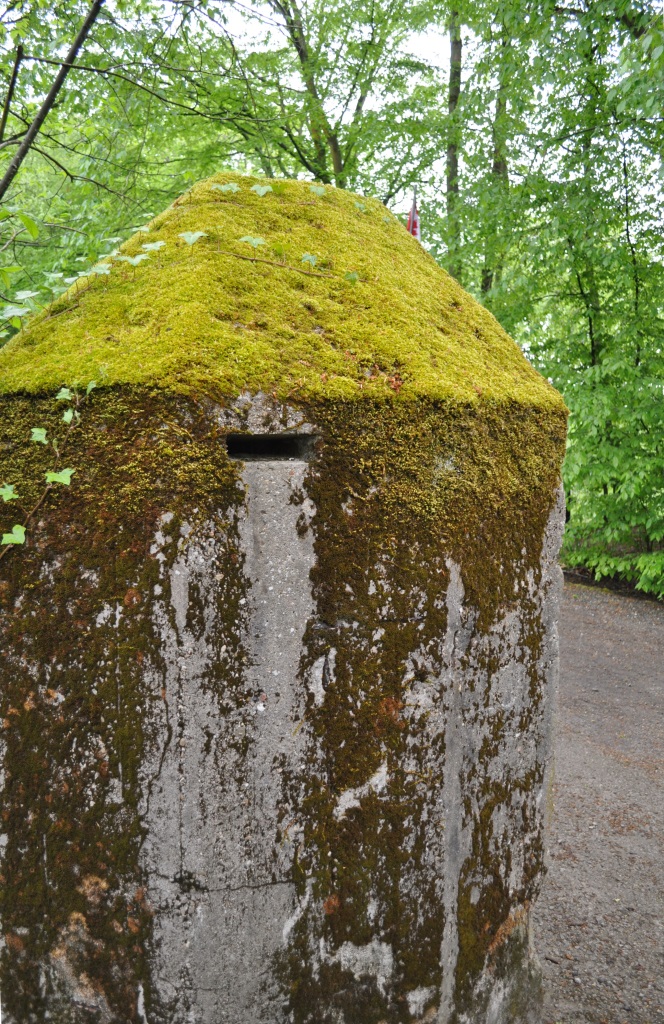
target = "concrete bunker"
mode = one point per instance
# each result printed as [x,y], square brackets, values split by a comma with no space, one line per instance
[276,670]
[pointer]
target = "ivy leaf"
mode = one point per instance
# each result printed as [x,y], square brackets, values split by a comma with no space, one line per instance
[29,225]
[153,246]
[6,275]
[63,477]
[91,386]
[192,236]
[8,492]
[64,395]
[17,536]
[261,190]
[318,190]
[134,260]
[68,415]
[310,258]
[361,207]
[15,312]
[255,242]
[101,269]
[352,276]
[23,296]
[230,187]
[38,434]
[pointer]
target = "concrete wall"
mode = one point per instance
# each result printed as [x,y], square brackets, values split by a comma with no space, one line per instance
[279,880]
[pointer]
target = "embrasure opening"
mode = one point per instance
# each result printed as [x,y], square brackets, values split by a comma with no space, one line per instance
[270,446]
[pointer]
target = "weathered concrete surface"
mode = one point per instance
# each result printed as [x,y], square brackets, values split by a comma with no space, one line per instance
[222,829]
[219,875]
[333,769]
[599,923]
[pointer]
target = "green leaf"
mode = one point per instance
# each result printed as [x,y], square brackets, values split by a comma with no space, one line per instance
[91,386]
[153,246]
[352,276]
[310,258]
[8,492]
[64,395]
[38,434]
[361,207]
[23,296]
[255,242]
[134,260]
[29,225]
[63,477]
[6,275]
[17,536]
[261,190]
[318,190]
[191,237]
[68,415]
[15,312]
[101,269]
[230,187]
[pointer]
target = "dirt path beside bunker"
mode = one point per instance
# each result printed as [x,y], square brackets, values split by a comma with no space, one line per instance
[599,923]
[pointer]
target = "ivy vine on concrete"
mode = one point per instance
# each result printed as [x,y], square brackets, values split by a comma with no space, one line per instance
[58,476]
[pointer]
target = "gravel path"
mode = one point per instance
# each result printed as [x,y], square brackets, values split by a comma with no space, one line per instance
[599,922]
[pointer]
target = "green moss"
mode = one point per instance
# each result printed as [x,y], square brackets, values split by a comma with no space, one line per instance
[201,319]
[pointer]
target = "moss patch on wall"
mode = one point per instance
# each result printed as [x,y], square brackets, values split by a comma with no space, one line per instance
[205,318]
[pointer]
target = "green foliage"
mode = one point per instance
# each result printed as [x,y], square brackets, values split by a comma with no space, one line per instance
[191,237]
[310,259]
[557,228]
[134,261]
[71,417]
[8,492]
[63,476]
[17,535]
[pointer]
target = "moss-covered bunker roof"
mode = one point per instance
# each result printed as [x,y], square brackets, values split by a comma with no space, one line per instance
[368,313]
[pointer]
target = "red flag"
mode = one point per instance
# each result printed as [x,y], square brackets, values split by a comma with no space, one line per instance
[414,218]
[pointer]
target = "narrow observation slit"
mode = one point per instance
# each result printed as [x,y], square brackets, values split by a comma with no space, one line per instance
[270,446]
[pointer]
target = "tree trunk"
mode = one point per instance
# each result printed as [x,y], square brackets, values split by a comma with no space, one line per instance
[10,90]
[33,130]
[453,212]
[492,270]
